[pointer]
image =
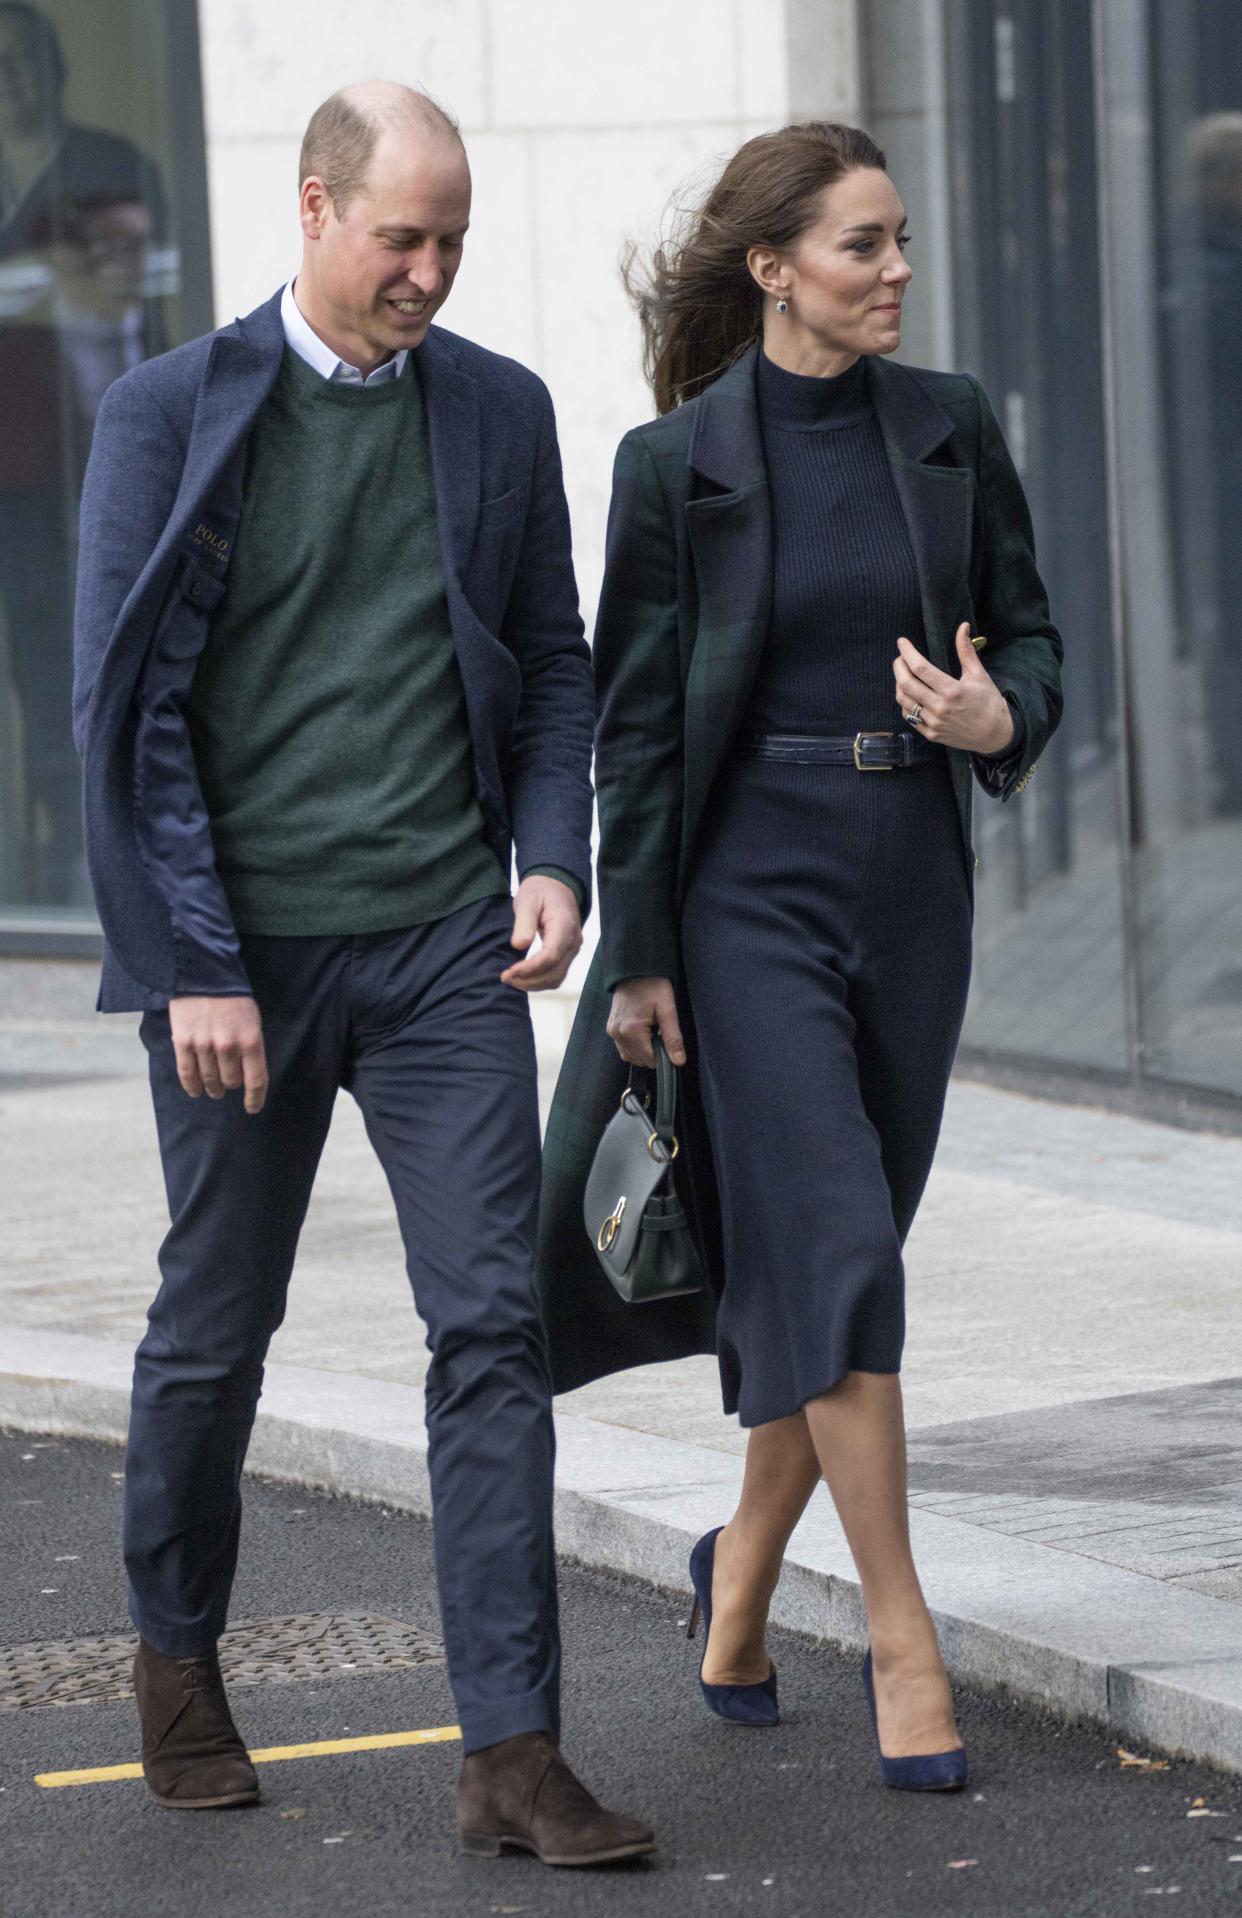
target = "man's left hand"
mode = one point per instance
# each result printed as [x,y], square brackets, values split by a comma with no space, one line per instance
[546,910]
[970,713]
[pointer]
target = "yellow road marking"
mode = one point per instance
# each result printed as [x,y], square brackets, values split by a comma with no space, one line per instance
[270,1755]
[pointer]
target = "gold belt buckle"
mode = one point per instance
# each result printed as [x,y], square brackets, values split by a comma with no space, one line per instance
[858,739]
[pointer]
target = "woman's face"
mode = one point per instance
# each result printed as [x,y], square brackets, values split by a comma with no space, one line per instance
[846,276]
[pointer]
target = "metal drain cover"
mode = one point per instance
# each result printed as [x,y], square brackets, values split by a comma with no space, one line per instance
[265,1651]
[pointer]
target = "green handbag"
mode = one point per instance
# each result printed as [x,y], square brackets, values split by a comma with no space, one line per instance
[635,1219]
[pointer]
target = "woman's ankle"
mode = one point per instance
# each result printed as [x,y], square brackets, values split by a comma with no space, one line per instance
[905,1639]
[746,1569]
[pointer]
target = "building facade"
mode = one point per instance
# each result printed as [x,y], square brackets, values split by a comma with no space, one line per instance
[1073,173]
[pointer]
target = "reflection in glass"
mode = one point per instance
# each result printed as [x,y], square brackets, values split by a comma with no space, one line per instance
[1050,967]
[85,260]
[1175,249]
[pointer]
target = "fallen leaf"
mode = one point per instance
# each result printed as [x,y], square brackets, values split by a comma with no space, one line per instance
[1132,1761]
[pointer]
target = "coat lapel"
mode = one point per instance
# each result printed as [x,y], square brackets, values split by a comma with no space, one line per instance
[452,402]
[938,502]
[730,531]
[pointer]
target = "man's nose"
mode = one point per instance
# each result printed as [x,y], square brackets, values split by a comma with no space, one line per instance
[425,273]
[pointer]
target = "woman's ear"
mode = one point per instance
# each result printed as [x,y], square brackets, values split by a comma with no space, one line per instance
[768,271]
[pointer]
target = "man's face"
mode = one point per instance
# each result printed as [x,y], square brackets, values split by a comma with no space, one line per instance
[381,273]
[28,90]
[104,269]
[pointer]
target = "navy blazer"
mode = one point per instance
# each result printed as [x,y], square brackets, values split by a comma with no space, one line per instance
[160,510]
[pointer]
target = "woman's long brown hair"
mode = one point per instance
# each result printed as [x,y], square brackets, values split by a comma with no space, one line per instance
[696,298]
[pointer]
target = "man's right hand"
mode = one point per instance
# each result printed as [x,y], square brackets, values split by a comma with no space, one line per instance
[219,1046]
[637,1006]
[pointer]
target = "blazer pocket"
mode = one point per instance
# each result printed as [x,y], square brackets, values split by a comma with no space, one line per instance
[181,631]
[503,504]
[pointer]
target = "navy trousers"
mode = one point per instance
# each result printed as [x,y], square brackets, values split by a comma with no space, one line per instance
[440,1057]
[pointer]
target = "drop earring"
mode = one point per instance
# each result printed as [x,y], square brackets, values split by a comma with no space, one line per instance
[782,306]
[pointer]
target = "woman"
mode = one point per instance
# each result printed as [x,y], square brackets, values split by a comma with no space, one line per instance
[791,707]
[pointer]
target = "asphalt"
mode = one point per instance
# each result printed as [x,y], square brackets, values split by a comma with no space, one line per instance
[793,1823]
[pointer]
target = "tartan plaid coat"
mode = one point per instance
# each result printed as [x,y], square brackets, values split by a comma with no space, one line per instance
[682,619]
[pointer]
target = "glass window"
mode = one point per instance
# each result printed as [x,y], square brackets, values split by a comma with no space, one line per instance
[1050,966]
[101,165]
[1172,77]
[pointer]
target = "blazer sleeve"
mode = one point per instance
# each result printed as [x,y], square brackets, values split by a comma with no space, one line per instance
[1024,649]
[549,772]
[640,725]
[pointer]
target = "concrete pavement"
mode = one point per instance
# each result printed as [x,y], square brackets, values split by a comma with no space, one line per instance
[1072,1378]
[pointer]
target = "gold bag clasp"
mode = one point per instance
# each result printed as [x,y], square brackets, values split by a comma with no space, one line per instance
[610,1228]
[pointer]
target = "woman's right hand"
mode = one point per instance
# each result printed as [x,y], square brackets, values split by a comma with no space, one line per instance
[637,1006]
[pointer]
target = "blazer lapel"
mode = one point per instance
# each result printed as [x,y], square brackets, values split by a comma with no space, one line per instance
[241,370]
[938,502]
[452,402]
[730,531]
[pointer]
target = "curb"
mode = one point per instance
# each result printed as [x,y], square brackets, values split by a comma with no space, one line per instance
[1151,1664]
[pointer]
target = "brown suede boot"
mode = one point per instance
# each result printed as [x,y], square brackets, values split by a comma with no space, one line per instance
[192,1756]
[522,1793]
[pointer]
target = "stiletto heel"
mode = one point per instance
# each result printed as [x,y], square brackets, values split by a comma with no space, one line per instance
[742,1704]
[931,1771]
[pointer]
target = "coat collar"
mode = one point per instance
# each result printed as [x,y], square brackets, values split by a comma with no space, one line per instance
[726,441]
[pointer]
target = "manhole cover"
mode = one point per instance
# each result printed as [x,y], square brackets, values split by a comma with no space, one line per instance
[265,1651]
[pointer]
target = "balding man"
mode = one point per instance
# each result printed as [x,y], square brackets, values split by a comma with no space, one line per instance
[331,675]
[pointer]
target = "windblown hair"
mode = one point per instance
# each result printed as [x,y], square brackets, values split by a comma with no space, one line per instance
[698,303]
[342,134]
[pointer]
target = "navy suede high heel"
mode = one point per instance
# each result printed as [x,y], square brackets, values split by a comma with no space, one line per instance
[742,1704]
[930,1771]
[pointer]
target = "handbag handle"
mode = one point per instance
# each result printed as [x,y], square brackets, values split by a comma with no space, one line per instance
[664,1123]
[666,1090]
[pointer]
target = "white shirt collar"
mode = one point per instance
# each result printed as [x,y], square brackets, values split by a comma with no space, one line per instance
[302,338]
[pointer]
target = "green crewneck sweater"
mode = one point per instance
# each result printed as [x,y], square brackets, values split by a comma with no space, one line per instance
[327,716]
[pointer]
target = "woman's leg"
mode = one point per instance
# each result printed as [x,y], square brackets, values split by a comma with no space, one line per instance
[781,1473]
[859,1436]
[854,1437]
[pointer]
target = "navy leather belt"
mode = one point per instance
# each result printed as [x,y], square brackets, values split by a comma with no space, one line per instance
[868,752]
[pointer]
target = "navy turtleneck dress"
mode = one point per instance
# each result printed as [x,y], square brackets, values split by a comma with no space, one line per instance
[826,932]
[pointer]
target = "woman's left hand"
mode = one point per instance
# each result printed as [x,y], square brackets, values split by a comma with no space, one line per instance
[969,713]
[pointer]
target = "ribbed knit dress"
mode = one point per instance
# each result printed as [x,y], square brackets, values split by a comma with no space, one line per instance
[826,932]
